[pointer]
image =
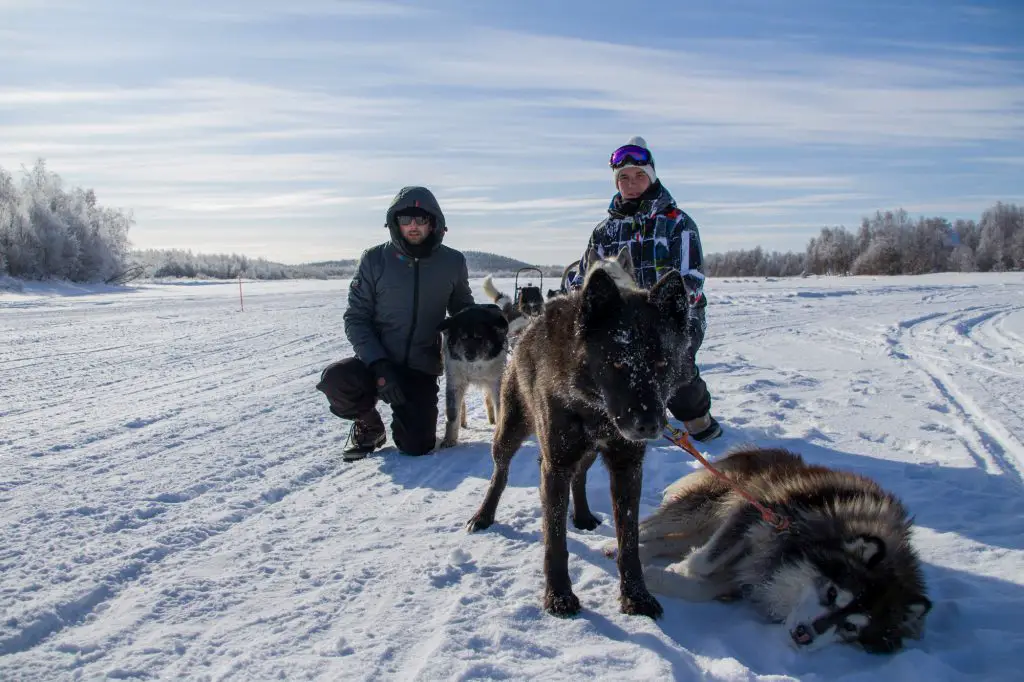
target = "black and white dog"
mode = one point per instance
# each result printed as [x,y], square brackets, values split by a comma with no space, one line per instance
[475,351]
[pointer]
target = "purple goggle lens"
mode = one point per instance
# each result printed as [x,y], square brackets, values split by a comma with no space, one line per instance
[630,155]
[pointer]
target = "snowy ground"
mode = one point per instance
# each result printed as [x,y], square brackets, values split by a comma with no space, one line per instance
[174,506]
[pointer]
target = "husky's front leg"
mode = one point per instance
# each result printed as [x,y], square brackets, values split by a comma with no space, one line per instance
[626,473]
[672,583]
[559,599]
[454,397]
[512,429]
[710,560]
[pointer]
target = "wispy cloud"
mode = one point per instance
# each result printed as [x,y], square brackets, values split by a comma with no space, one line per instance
[222,117]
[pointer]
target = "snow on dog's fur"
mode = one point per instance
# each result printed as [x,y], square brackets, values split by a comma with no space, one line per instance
[844,571]
[591,375]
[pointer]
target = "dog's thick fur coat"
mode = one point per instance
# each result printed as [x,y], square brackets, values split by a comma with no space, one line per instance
[844,570]
[591,373]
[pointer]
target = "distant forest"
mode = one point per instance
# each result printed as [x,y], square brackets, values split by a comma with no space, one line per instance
[892,243]
[179,263]
[48,231]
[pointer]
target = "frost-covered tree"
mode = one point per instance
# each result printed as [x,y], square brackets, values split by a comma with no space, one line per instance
[47,231]
[832,252]
[997,244]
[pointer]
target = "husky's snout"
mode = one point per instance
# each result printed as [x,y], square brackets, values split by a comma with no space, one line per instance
[639,426]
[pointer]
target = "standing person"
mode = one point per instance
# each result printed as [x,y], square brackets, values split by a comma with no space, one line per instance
[395,303]
[661,237]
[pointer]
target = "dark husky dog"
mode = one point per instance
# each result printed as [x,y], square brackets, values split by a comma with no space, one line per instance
[845,570]
[475,351]
[591,373]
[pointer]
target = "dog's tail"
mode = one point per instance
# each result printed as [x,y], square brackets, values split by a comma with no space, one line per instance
[502,300]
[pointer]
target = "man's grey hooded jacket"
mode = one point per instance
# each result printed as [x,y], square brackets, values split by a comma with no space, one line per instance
[401,291]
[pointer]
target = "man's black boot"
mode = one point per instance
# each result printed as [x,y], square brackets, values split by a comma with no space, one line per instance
[366,435]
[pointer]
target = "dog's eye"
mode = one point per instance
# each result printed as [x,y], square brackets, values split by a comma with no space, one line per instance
[849,627]
[830,596]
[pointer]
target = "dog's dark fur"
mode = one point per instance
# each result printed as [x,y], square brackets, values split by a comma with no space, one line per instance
[475,351]
[591,373]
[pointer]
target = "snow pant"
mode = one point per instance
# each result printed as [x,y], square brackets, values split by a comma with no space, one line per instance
[351,390]
[692,399]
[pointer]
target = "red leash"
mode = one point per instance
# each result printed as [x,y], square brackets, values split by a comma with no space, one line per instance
[682,439]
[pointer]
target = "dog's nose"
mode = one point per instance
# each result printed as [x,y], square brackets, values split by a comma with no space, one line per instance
[644,426]
[648,429]
[802,635]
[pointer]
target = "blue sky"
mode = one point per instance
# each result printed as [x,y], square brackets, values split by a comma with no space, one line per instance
[282,129]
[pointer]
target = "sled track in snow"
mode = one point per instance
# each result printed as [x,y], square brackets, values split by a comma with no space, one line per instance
[988,440]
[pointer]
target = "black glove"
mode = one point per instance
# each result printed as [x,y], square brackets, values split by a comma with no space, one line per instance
[388,388]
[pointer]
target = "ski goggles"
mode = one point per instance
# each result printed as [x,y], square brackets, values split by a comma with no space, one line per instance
[406,220]
[630,155]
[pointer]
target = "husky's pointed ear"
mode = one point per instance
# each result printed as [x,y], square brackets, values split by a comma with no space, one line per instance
[913,616]
[626,260]
[601,300]
[592,256]
[867,548]
[669,296]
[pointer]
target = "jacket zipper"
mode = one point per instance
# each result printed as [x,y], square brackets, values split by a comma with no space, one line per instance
[415,307]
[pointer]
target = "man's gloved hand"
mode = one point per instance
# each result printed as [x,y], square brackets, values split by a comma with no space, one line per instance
[387,383]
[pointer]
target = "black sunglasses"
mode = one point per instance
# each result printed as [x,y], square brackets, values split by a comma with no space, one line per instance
[406,220]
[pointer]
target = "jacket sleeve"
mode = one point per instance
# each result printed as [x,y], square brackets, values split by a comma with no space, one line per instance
[362,303]
[688,257]
[688,251]
[461,295]
[581,270]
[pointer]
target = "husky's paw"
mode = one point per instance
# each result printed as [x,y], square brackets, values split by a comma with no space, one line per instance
[695,565]
[641,604]
[585,521]
[479,522]
[448,442]
[610,549]
[668,582]
[561,605]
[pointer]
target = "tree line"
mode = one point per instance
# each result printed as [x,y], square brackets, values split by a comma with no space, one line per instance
[892,243]
[48,231]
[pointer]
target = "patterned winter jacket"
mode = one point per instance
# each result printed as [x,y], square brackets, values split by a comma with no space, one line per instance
[661,237]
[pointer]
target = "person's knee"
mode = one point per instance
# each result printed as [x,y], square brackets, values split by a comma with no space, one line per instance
[347,373]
